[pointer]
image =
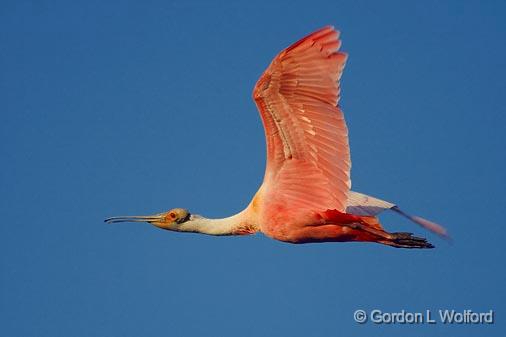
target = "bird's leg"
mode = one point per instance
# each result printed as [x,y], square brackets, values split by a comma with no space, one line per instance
[398,240]
[406,240]
[368,229]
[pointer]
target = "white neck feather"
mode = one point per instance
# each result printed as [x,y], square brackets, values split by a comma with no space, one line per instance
[225,226]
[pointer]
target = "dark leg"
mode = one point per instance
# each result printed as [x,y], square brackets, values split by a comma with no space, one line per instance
[398,240]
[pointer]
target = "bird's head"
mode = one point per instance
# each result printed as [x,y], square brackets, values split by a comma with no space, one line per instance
[170,220]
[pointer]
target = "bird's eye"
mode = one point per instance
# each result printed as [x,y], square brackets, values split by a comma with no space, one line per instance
[177,215]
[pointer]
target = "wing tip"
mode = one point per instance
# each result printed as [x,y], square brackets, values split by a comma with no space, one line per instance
[325,35]
[427,224]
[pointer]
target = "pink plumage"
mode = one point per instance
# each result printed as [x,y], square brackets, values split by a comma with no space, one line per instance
[305,195]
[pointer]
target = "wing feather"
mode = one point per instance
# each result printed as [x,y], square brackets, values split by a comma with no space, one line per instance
[308,157]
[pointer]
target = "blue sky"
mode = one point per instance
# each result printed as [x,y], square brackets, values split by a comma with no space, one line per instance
[138,107]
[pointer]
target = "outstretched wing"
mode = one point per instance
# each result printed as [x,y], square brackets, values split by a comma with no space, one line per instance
[308,156]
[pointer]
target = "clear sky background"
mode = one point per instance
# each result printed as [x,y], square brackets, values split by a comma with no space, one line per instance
[139,107]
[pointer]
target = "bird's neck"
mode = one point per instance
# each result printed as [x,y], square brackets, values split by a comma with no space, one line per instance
[237,224]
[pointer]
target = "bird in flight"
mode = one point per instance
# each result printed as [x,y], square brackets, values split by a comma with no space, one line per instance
[305,195]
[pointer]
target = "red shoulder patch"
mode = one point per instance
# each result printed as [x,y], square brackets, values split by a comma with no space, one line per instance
[336,217]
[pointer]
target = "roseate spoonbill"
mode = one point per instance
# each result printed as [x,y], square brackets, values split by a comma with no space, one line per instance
[305,196]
